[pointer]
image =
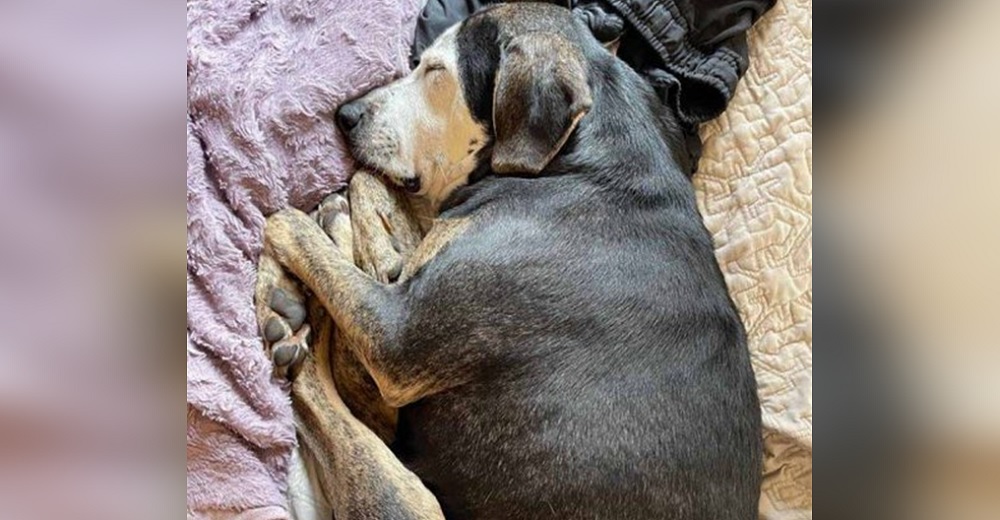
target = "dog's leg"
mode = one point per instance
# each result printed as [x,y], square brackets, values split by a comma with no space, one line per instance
[369,312]
[386,227]
[358,473]
[281,313]
[378,230]
[362,477]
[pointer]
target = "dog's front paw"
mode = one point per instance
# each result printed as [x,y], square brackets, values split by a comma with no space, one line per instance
[281,314]
[283,231]
[334,216]
[383,225]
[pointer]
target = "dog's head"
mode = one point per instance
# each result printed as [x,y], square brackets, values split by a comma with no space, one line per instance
[508,85]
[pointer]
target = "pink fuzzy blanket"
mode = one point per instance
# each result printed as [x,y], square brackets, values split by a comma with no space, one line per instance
[264,78]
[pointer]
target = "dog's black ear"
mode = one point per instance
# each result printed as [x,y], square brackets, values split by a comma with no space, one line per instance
[541,93]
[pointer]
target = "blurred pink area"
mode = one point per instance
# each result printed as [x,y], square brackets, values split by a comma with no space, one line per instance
[89,233]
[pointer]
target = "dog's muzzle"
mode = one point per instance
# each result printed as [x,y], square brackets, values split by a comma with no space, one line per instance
[349,116]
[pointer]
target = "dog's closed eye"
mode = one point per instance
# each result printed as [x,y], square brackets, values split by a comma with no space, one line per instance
[433,66]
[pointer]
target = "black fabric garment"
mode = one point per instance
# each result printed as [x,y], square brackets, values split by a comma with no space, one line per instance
[693,52]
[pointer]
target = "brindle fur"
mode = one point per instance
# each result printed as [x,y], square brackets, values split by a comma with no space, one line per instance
[359,475]
[344,425]
[385,232]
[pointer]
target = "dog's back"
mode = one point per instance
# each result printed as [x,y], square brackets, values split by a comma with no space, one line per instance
[614,377]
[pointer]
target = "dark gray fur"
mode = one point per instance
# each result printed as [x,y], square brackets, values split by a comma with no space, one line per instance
[600,368]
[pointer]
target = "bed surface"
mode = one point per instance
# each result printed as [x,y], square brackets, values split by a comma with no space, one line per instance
[754,189]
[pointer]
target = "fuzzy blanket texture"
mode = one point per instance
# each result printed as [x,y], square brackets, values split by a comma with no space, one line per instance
[264,79]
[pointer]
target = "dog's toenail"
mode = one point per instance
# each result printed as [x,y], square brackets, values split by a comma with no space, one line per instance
[273,330]
[296,366]
[328,219]
[395,271]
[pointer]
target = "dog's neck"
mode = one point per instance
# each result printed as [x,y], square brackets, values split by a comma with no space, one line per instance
[445,180]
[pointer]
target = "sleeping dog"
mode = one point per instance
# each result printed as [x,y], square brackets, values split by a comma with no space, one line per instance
[560,343]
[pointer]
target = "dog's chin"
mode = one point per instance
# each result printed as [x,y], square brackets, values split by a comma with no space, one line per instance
[406,181]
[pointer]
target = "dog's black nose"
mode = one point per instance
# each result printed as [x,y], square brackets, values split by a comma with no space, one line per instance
[349,115]
[411,185]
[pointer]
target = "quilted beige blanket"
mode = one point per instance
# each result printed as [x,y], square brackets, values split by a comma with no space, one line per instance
[754,188]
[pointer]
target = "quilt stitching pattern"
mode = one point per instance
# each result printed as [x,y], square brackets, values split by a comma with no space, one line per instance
[754,188]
